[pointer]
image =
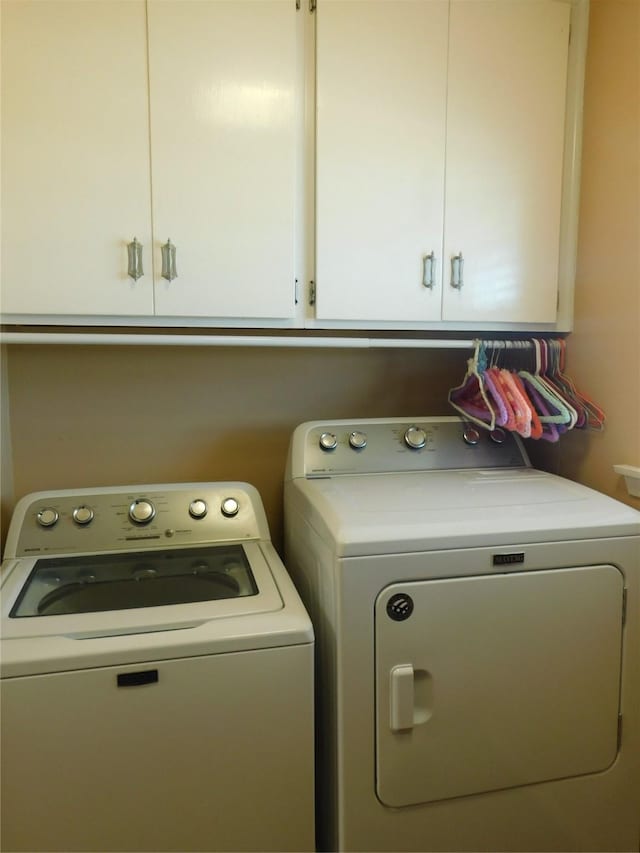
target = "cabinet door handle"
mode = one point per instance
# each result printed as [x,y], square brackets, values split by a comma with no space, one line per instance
[428,270]
[134,250]
[457,268]
[169,270]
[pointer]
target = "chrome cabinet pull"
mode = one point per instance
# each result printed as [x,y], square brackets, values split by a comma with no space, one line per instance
[169,270]
[457,269]
[428,270]
[134,251]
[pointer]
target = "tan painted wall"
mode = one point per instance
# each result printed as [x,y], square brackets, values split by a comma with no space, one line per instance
[107,415]
[604,350]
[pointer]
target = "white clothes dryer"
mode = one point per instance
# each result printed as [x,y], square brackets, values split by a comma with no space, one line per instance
[157,675]
[477,634]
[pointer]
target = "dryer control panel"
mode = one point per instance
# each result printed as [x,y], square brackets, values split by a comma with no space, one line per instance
[332,448]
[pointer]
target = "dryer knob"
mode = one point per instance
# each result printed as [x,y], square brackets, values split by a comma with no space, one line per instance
[498,436]
[415,438]
[47,517]
[358,440]
[328,441]
[471,435]
[141,511]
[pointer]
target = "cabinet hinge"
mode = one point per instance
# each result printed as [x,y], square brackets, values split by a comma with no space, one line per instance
[312,293]
[295,292]
[619,731]
[624,605]
[312,5]
[298,5]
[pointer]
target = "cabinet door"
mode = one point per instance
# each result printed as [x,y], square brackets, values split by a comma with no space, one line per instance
[505,134]
[75,157]
[381,89]
[223,100]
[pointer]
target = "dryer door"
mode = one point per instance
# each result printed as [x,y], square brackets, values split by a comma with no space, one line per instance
[496,681]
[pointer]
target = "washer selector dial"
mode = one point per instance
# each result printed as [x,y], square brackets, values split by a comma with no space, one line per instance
[47,517]
[229,507]
[83,515]
[415,437]
[198,508]
[328,441]
[141,511]
[358,440]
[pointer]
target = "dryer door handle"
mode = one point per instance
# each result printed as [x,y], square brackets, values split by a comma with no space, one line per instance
[410,697]
[401,696]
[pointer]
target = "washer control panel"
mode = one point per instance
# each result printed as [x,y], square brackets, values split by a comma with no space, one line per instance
[392,445]
[131,517]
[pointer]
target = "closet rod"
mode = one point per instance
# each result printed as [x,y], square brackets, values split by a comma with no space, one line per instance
[87,338]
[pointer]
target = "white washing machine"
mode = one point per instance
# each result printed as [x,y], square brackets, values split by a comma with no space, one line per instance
[157,675]
[477,635]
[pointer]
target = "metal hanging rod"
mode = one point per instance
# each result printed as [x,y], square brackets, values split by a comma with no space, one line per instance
[303,342]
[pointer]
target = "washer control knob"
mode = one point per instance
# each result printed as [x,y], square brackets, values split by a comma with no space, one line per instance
[358,440]
[415,438]
[197,508]
[471,435]
[328,441]
[83,515]
[498,435]
[47,517]
[141,511]
[229,507]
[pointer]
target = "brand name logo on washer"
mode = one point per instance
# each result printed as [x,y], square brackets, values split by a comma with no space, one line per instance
[507,559]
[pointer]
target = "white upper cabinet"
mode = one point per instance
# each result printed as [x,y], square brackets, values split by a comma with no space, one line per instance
[381,107]
[440,129]
[75,157]
[386,164]
[505,137]
[223,152]
[109,127]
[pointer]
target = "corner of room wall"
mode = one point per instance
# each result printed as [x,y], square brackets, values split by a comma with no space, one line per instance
[603,351]
[6,457]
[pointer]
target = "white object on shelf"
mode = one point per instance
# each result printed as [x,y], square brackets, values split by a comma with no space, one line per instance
[631,475]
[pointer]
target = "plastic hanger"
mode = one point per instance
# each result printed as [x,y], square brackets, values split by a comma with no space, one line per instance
[554,410]
[470,397]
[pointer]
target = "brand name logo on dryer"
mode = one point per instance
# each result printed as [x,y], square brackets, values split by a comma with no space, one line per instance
[508,559]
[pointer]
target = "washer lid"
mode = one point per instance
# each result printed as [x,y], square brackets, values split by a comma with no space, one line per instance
[364,515]
[114,594]
[253,606]
[102,582]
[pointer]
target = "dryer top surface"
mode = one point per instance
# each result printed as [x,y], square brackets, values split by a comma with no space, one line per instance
[436,510]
